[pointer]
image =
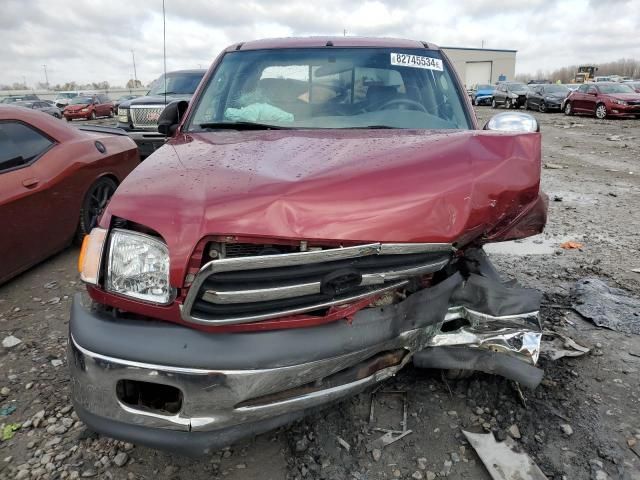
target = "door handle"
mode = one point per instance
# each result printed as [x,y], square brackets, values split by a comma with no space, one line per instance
[30,182]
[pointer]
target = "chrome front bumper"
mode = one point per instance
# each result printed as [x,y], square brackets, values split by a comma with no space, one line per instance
[212,398]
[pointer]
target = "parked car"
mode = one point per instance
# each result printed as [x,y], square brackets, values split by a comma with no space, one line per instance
[123,98]
[88,107]
[509,94]
[538,82]
[18,98]
[63,98]
[546,97]
[139,116]
[603,100]
[54,183]
[482,94]
[294,243]
[42,106]
[635,84]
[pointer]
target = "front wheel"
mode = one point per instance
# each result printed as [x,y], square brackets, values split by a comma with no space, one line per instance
[94,203]
[111,113]
[475,102]
[601,111]
[542,107]
[568,109]
[507,103]
[93,115]
[493,103]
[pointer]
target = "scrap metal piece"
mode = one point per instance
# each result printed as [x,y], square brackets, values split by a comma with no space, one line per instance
[501,459]
[562,346]
[606,306]
[389,438]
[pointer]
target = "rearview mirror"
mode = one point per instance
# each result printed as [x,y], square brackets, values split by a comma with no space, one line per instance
[171,116]
[513,122]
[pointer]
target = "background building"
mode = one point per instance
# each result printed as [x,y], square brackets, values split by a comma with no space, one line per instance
[482,65]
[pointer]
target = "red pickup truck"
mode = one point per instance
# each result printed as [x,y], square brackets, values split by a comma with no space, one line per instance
[314,223]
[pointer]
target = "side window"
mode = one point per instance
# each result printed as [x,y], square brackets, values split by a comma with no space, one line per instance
[583,88]
[20,145]
[592,90]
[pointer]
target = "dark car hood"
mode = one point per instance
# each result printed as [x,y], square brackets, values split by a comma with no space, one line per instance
[351,186]
[559,95]
[153,100]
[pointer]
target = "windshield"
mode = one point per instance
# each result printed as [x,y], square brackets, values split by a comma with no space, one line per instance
[177,84]
[516,86]
[67,95]
[25,104]
[615,88]
[332,88]
[485,87]
[556,89]
[81,101]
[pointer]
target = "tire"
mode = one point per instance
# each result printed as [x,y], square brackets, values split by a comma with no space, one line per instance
[68,119]
[526,105]
[93,115]
[568,109]
[507,103]
[601,111]
[475,102]
[111,113]
[93,205]
[493,103]
[542,107]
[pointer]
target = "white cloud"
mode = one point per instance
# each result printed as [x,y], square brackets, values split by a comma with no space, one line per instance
[90,40]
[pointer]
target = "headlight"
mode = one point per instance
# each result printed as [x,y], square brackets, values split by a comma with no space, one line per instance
[84,110]
[619,102]
[138,267]
[123,115]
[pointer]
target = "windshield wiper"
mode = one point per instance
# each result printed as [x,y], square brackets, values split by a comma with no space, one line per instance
[167,93]
[376,127]
[241,126]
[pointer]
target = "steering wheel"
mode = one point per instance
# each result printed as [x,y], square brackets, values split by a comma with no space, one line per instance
[405,101]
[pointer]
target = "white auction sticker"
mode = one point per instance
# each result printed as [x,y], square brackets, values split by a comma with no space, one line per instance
[415,61]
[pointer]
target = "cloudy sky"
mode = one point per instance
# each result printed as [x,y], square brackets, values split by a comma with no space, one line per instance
[91,40]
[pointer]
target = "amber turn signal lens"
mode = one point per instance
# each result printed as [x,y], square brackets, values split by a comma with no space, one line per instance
[91,255]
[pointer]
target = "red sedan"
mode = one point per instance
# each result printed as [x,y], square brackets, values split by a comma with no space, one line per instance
[603,100]
[55,181]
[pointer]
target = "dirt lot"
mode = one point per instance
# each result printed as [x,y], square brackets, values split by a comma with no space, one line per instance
[578,424]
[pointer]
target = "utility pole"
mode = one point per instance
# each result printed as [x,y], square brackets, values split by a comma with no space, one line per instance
[482,43]
[135,72]
[46,77]
[344,32]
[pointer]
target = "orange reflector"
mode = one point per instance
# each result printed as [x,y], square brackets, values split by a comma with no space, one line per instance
[91,255]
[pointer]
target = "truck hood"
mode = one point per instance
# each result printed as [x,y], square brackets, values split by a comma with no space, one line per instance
[346,186]
[153,100]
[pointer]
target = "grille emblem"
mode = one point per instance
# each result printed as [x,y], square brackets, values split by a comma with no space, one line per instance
[153,116]
[340,281]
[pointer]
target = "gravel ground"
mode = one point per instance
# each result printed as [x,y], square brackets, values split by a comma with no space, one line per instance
[579,424]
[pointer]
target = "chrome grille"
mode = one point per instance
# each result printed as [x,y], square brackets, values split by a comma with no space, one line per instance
[145,116]
[248,289]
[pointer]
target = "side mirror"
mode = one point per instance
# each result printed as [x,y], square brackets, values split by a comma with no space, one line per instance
[171,116]
[513,122]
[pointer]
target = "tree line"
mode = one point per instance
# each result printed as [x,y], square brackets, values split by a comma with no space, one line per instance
[625,67]
[71,86]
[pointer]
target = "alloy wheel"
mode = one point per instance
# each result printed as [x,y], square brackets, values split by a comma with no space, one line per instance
[542,107]
[567,109]
[601,111]
[507,103]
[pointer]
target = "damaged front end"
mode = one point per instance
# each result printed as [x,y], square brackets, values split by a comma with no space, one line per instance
[367,310]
